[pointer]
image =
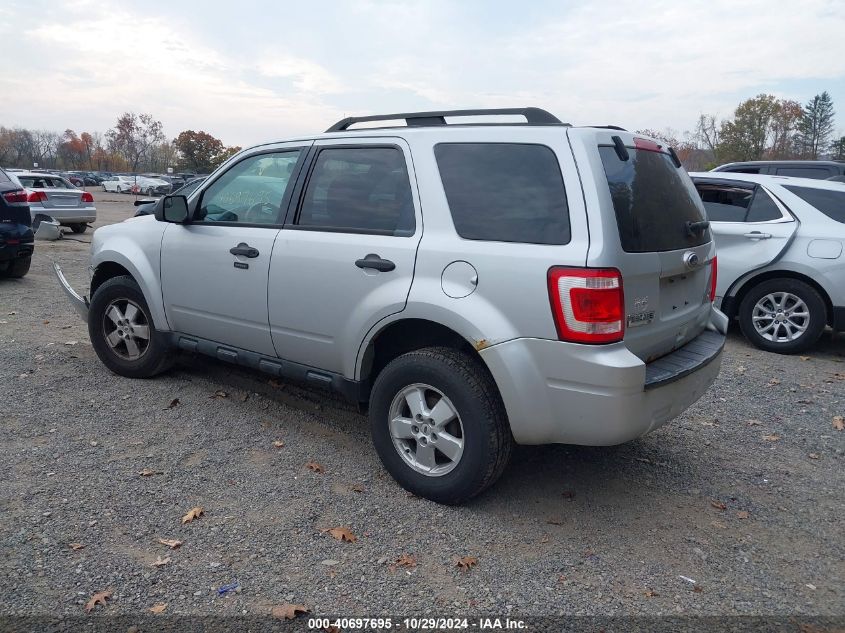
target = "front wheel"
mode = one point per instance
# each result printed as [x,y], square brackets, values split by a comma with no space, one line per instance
[785,316]
[439,425]
[79,227]
[122,331]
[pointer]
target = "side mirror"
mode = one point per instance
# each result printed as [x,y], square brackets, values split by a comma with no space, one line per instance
[172,209]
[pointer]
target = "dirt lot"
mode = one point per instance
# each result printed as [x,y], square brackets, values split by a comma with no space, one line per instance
[744,494]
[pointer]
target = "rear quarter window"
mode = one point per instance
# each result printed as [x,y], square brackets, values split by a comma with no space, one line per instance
[831,203]
[504,192]
[653,200]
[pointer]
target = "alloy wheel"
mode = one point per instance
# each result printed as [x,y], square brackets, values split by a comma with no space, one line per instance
[780,317]
[126,329]
[426,430]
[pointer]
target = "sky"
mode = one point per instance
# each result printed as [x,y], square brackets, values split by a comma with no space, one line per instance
[249,71]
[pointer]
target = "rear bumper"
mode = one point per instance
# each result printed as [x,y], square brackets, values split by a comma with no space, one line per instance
[557,392]
[72,215]
[16,241]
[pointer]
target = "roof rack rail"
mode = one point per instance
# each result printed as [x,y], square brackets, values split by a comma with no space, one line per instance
[533,116]
[607,127]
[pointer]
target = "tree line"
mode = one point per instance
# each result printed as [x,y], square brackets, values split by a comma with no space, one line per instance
[136,143]
[762,128]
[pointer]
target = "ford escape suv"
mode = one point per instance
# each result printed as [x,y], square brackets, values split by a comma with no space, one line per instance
[16,237]
[472,284]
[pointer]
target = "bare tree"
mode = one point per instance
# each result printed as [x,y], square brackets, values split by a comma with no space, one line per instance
[135,136]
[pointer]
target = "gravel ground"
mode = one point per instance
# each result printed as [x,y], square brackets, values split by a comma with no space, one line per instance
[744,493]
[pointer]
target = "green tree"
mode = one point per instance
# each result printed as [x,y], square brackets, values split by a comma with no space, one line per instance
[746,137]
[816,125]
[198,150]
[783,125]
[837,149]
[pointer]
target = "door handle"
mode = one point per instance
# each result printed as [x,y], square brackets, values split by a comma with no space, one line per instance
[244,250]
[376,263]
[757,235]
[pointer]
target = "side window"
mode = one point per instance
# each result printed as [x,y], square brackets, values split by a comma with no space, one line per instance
[504,192]
[829,201]
[804,172]
[743,170]
[763,208]
[251,191]
[359,189]
[725,203]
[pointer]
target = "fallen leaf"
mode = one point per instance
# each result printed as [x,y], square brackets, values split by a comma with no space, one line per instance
[651,593]
[406,560]
[274,383]
[98,598]
[774,437]
[158,608]
[839,423]
[71,342]
[341,534]
[149,473]
[173,404]
[244,397]
[161,562]
[317,468]
[813,456]
[172,543]
[697,589]
[465,562]
[279,444]
[218,395]
[774,381]
[76,546]
[754,423]
[193,513]
[46,322]
[356,488]
[289,611]
[718,504]
[742,514]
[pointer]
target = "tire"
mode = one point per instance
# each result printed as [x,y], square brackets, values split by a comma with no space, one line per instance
[79,227]
[457,380]
[155,354]
[17,268]
[104,188]
[798,298]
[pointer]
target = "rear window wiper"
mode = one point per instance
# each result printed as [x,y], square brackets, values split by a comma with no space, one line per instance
[621,150]
[697,227]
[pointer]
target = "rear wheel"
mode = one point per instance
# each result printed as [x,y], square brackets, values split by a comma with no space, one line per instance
[783,315]
[122,331]
[78,227]
[439,424]
[17,268]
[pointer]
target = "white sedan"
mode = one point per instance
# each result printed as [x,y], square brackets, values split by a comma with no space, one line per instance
[780,245]
[119,184]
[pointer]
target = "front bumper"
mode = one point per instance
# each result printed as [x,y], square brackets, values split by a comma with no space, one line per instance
[601,395]
[79,303]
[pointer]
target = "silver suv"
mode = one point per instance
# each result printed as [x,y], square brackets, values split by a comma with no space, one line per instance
[473,285]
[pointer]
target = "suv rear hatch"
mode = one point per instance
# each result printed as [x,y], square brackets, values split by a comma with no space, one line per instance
[651,227]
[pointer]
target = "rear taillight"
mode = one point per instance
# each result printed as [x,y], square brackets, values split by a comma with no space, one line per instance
[714,269]
[36,196]
[588,304]
[87,197]
[16,197]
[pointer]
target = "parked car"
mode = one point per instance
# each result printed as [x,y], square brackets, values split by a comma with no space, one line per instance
[119,184]
[89,179]
[146,207]
[820,169]
[152,186]
[780,247]
[54,196]
[560,292]
[17,241]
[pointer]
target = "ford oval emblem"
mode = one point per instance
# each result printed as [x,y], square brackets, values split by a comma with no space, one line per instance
[691,259]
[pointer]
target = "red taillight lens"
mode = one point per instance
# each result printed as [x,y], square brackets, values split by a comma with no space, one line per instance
[87,197]
[36,196]
[18,196]
[588,304]
[714,269]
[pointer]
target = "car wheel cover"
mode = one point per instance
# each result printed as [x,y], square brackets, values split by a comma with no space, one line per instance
[780,317]
[126,329]
[426,430]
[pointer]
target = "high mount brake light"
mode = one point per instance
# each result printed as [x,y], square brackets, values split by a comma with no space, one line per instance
[588,304]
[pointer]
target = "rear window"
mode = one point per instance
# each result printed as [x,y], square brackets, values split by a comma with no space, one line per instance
[504,192]
[44,182]
[653,201]
[831,203]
